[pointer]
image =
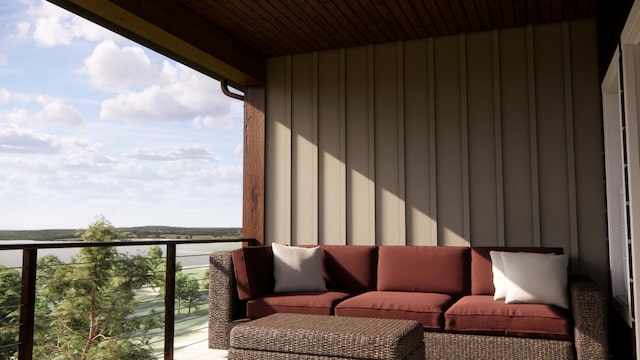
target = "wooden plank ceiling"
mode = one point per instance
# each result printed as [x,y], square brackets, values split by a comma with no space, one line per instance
[277,27]
[230,39]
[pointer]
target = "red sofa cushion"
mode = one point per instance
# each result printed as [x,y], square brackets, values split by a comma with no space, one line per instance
[315,303]
[428,308]
[253,267]
[429,269]
[350,268]
[481,273]
[483,315]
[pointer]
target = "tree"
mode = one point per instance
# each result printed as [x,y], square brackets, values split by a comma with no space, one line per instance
[158,266]
[204,281]
[10,283]
[187,289]
[46,271]
[89,302]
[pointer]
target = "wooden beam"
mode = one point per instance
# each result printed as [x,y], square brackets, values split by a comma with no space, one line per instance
[254,164]
[172,29]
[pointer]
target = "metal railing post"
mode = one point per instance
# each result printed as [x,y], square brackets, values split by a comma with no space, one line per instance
[169,301]
[28,302]
[28,286]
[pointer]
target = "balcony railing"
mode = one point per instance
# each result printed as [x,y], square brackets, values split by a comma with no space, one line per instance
[29,286]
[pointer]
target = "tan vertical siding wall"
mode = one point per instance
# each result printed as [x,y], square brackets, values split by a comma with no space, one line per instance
[359,144]
[482,139]
[278,153]
[331,145]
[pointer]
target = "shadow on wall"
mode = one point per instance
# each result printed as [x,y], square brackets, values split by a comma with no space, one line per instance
[483,139]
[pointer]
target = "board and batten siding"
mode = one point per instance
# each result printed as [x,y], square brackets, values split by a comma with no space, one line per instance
[481,139]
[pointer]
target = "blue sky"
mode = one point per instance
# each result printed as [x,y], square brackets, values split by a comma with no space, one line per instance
[94,124]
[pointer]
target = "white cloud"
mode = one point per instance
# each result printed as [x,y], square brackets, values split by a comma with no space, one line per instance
[54,26]
[152,104]
[195,152]
[53,113]
[22,141]
[14,139]
[50,32]
[4,96]
[77,159]
[178,168]
[179,94]
[33,166]
[228,172]
[239,149]
[134,171]
[22,31]
[112,66]
[57,112]
[83,144]
[220,122]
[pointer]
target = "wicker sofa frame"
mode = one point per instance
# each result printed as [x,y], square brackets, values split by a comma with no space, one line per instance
[588,309]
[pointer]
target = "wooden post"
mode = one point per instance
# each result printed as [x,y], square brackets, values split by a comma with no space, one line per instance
[254,158]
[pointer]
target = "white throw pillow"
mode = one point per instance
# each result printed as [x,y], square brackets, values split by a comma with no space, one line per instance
[536,278]
[499,282]
[297,269]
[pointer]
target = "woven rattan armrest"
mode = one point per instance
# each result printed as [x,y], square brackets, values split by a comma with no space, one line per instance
[223,301]
[589,310]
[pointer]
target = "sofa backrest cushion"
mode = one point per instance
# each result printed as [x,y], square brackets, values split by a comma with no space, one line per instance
[481,273]
[253,268]
[351,268]
[437,269]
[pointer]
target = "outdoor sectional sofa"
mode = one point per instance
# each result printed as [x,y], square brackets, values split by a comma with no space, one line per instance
[450,290]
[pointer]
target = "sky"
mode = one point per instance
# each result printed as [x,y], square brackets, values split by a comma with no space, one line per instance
[94,124]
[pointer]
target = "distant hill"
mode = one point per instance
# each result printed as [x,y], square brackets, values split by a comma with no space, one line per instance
[167,232]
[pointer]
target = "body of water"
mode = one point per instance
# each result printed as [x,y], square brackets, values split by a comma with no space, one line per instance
[187,254]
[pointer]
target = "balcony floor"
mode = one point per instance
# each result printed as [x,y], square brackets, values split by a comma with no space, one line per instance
[198,351]
[195,347]
[195,353]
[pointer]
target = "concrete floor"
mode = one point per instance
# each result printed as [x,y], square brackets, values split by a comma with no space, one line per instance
[203,354]
[199,351]
[196,347]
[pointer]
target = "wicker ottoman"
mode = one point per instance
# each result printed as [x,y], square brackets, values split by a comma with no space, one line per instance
[295,336]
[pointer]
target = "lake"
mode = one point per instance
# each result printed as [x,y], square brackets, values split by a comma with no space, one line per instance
[187,254]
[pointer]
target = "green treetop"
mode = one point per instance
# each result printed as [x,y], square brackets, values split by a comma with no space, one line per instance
[88,302]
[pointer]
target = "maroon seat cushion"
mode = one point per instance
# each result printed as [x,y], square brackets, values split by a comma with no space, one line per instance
[315,303]
[482,315]
[481,273]
[430,269]
[253,267]
[428,308]
[351,268]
